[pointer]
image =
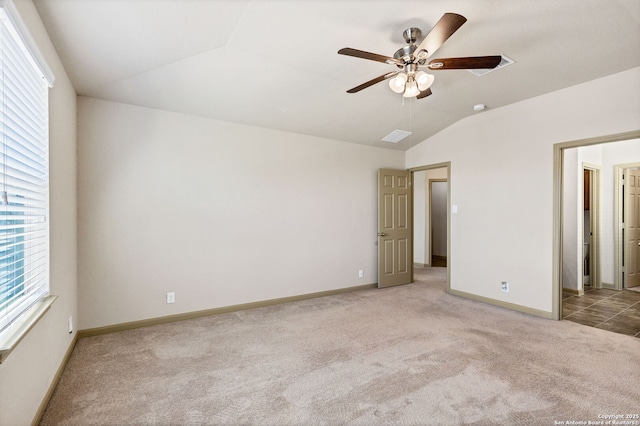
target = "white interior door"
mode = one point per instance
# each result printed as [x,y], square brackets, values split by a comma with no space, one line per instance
[632,227]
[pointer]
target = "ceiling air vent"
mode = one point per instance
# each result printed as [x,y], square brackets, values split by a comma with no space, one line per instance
[396,136]
[503,63]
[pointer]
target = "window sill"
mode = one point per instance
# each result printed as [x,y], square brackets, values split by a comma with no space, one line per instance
[10,337]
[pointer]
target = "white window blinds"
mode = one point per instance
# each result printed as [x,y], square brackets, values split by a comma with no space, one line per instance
[24,175]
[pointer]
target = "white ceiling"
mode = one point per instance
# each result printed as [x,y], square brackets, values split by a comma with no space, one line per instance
[274,63]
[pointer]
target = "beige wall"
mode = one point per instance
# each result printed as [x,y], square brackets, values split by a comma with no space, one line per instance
[219,213]
[28,371]
[502,182]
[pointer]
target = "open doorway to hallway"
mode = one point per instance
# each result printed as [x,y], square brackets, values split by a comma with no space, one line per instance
[595,252]
[430,224]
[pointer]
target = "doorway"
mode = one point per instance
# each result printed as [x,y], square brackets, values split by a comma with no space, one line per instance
[432,229]
[596,156]
[603,300]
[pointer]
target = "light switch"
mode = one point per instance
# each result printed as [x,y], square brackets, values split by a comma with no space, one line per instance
[454,208]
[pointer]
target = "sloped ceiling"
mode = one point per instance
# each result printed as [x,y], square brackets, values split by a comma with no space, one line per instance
[274,64]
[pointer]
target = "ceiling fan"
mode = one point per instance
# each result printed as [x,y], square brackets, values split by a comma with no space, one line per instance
[411,80]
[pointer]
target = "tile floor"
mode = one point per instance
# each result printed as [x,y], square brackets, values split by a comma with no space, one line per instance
[617,311]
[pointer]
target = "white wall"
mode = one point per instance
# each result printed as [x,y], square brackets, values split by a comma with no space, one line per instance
[571,267]
[219,213]
[27,373]
[502,182]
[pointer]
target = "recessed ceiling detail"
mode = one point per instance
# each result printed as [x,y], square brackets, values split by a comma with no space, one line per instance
[396,136]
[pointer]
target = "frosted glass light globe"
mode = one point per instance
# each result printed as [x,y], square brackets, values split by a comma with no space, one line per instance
[424,80]
[397,83]
[411,89]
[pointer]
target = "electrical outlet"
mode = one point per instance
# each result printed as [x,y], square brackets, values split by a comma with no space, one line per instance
[505,286]
[171,297]
[360,273]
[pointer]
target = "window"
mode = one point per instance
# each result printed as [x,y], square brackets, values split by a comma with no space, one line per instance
[24,169]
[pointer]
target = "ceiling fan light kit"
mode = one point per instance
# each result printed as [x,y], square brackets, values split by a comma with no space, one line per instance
[412,81]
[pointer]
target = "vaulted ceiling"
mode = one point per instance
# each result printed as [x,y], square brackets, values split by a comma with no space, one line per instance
[274,63]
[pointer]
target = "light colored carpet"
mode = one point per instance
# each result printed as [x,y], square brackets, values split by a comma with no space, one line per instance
[409,355]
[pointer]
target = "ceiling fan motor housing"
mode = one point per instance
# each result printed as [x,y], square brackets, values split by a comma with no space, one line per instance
[405,53]
[411,35]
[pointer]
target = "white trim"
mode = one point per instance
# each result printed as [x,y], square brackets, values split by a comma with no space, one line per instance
[10,337]
[25,177]
[25,36]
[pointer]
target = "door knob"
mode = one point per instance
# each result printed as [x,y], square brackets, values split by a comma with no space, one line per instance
[381,234]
